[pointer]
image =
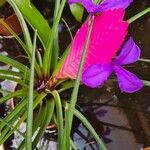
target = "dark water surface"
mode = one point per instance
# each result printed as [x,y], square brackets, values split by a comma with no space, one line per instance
[123,120]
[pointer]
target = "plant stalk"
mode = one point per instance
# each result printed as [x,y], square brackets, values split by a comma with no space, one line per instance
[30,100]
[76,87]
[140,14]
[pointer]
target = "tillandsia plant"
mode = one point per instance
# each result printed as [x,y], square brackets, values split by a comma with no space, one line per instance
[90,59]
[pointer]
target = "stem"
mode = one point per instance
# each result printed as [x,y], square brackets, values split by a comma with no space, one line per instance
[64,21]
[59,117]
[144,60]
[30,100]
[70,110]
[90,128]
[48,54]
[56,10]
[146,83]
[56,37]
[137,16]
[77,82]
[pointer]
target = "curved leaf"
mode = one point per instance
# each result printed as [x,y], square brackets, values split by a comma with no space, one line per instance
[34,18]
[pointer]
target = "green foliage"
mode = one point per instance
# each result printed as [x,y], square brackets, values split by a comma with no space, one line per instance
[29,12]
[77,11]
[42,66]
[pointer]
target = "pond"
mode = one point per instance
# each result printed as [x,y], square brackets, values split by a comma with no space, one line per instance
[123,120]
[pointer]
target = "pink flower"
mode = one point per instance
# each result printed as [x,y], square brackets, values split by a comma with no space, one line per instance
[108,33]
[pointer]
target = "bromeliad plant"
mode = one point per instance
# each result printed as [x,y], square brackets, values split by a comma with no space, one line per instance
[88,60]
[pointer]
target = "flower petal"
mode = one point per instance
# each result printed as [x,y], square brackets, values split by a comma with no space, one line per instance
[107,35]
[93,8]
[96,75]
[130,53]
[88,5]
[114,4]
[128,82]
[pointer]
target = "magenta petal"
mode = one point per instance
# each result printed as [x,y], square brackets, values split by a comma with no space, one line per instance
[130,53]
[107,35]
[128,82]
[114,4]
[96,75]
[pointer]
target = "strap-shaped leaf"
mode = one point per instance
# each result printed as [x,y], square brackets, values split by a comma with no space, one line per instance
[14,63]
[34,18]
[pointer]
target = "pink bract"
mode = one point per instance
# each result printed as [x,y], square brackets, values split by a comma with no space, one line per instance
[108,33]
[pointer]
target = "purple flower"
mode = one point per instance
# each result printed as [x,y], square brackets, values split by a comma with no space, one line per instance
[103,6]
[97,74]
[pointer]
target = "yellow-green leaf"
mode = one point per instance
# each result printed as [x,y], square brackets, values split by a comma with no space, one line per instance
[77,11]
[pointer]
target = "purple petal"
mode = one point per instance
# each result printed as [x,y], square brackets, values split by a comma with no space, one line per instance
[130,53]
[96,75]
[128,82]
[91,7]
[104,6]
[111,4]
[88,5]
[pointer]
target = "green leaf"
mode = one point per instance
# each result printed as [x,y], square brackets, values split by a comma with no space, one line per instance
[15,113]
[26,33]
[74,147]
[77,11]
[90,128]
[6,133]
[37,123]
[10,73]
[56,37]
[49,54]
[11,78]
[34,18]
[50,109]
[11,119]
[11,126]
[61,61]
[59,117]
[30,99]
[65,86]
[11,95]
[14,63]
